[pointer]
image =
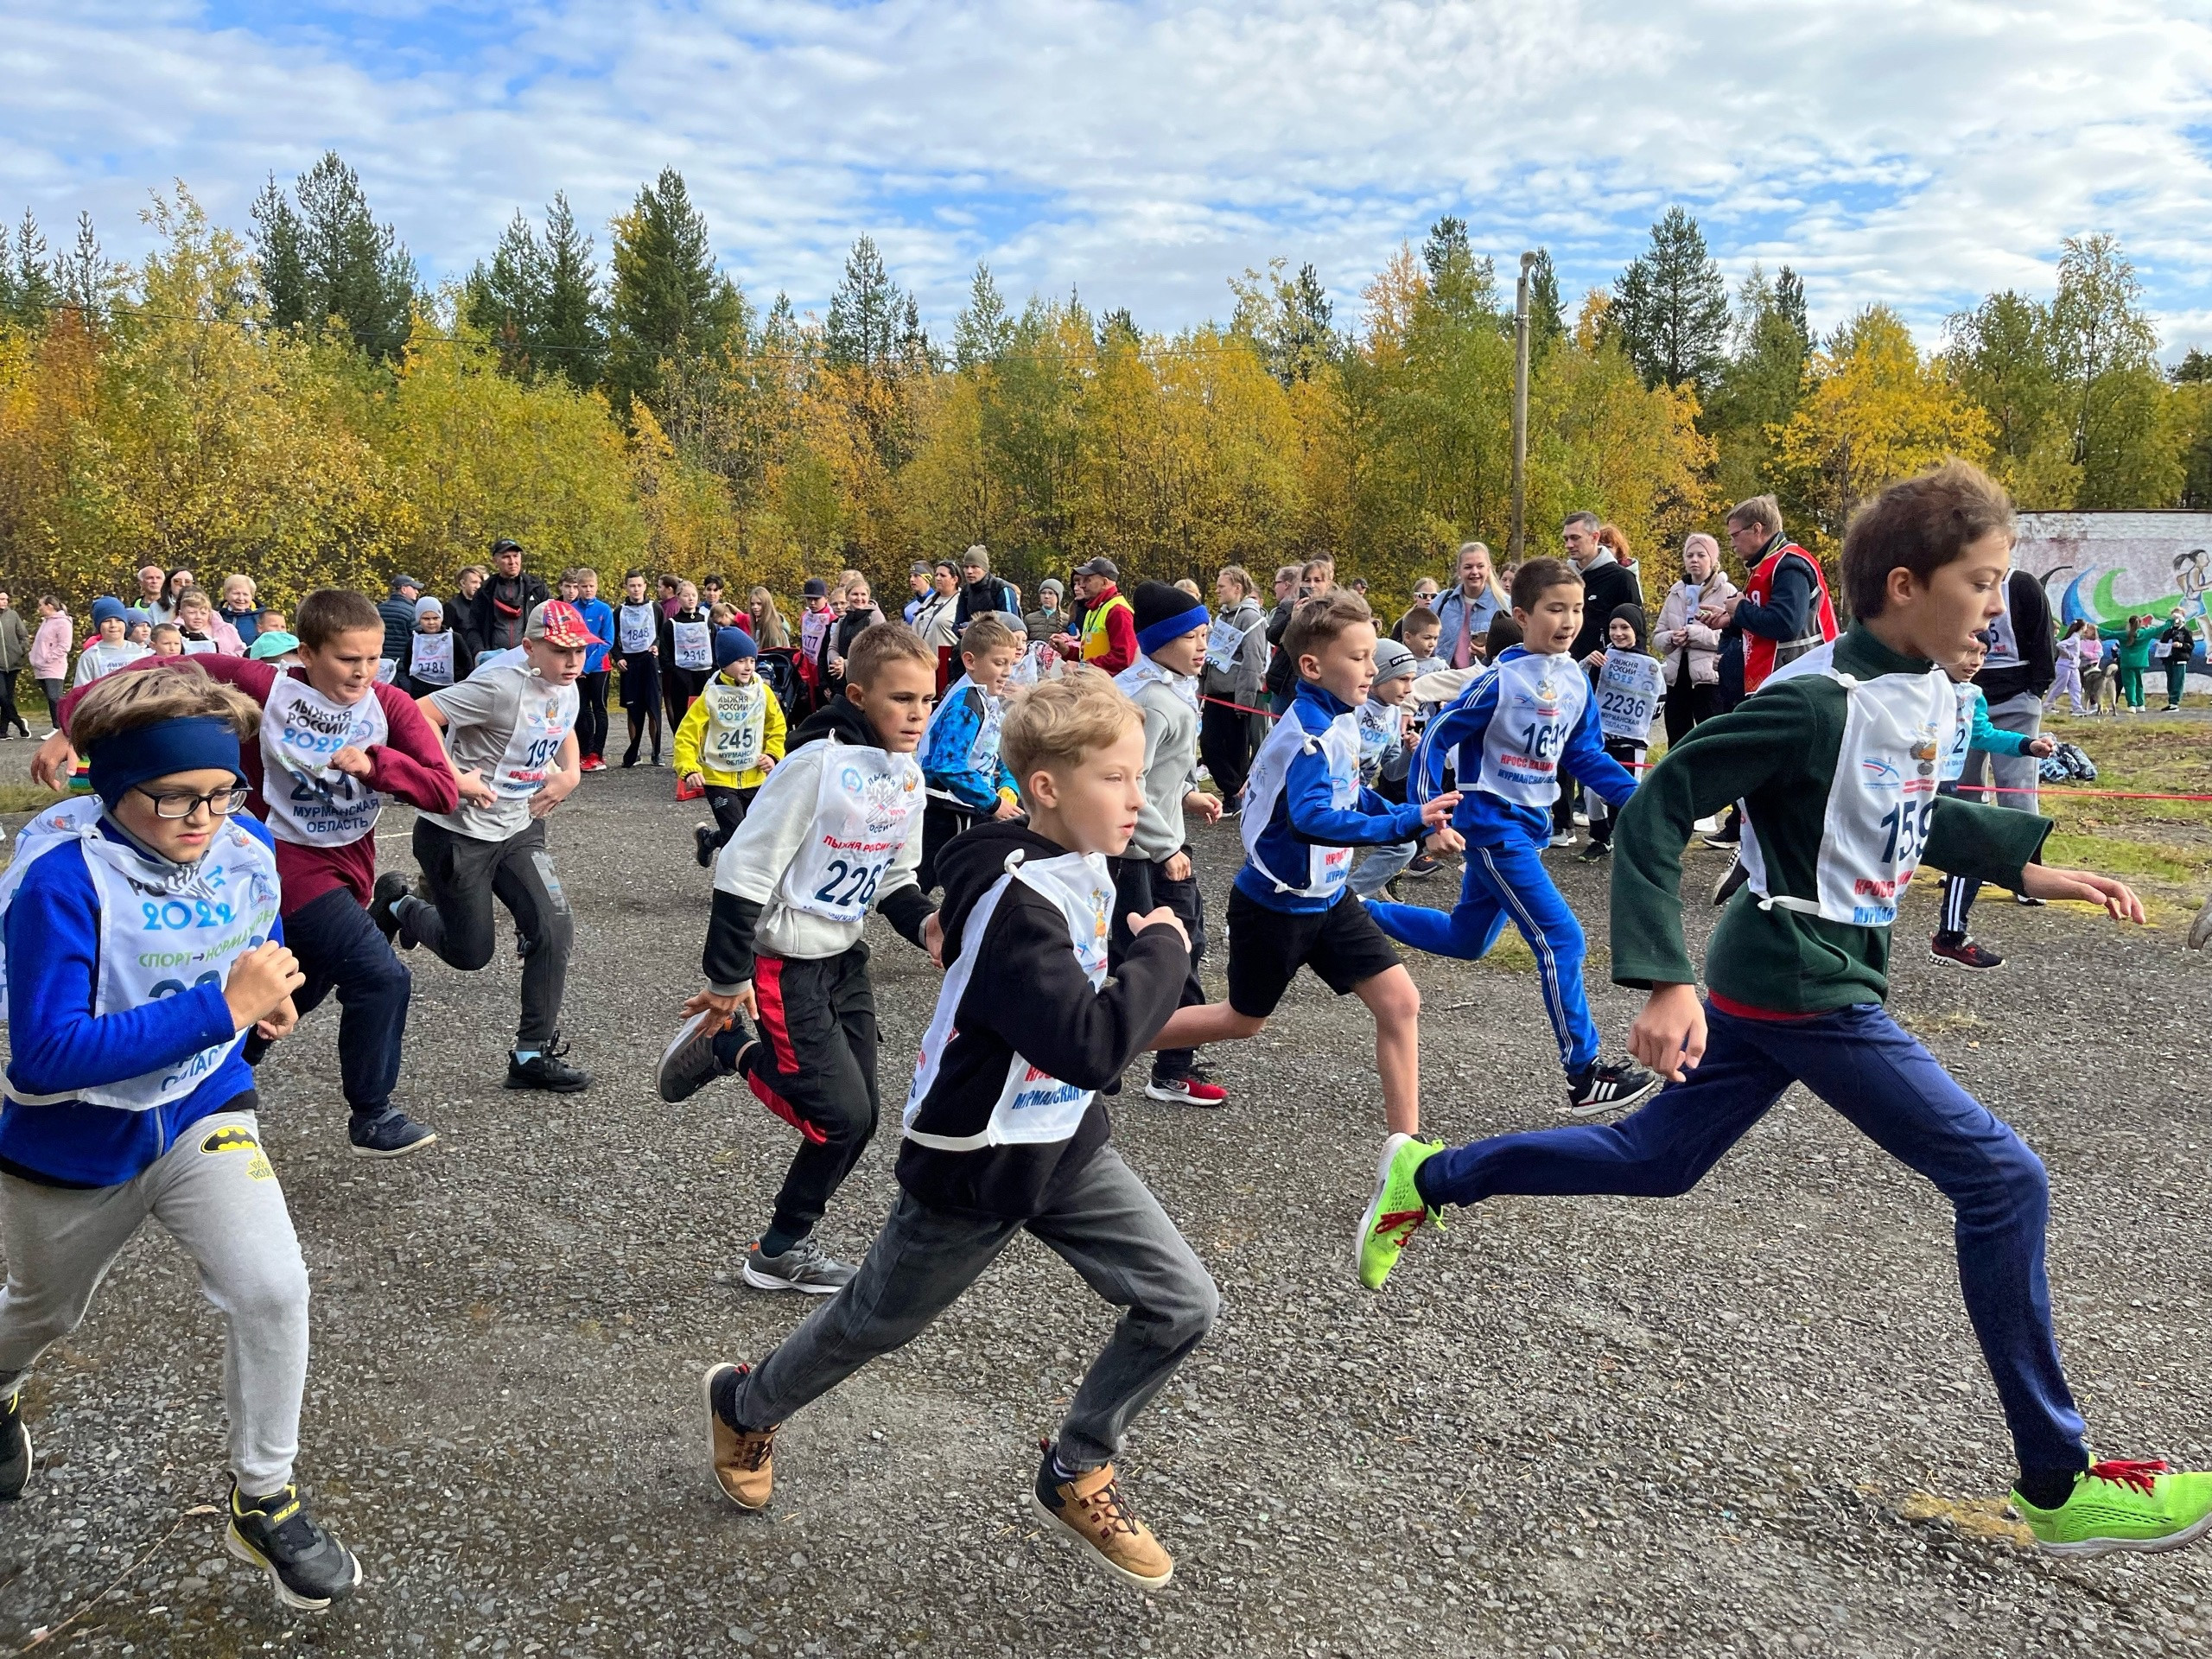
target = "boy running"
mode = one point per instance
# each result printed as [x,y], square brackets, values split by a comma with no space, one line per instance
[1836,759]
[511,730]
[960,751]
[1004,1131]
[1304,812]
[836,829]
[730,739]
[1155,869]
[335,743]
[128,1097]
[1518,728]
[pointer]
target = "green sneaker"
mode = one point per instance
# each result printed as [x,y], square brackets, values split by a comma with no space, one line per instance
[1396,1212]
[2141,1507]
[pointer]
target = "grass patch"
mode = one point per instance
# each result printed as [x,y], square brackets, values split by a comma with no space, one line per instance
[2165,862]
[26,798]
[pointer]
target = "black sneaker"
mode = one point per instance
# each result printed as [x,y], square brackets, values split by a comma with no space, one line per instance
[546,1069]
[1725,841]
[308,1567]
[806,1267]
[384,906]
[1422,866]
[2028,899]
[15,1448]
[390,1134]
[1607,1088]
[702,838]
[1595,853]
[702,1051]
[1725,888]
[1957,948]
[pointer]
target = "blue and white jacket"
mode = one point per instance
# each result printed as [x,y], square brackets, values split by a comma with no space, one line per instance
[1304,800]
[1528,719]
[960,749]
[164,972]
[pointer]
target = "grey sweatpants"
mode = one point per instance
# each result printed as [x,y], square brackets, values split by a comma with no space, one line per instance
[1107,1226]
[2016,775]
[215,1194]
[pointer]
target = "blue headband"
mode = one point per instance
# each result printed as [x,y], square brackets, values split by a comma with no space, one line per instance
[1174,627]
[194,743]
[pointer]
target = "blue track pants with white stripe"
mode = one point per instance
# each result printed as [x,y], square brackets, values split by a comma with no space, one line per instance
[1509,883]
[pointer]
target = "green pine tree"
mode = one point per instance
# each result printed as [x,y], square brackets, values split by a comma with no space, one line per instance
[670,309]
[1672,307]
[1547,320]
[870,319]
[27,293]
[984,328]
[322,256]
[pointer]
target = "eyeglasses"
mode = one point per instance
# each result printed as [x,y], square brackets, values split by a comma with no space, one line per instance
[220,803]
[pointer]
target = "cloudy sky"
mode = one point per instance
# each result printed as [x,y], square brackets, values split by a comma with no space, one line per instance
[1142,152]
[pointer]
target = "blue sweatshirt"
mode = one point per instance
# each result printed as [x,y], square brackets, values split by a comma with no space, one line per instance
[1306,814]
[52,941]
[1486,817]
[599,617]
[947,756]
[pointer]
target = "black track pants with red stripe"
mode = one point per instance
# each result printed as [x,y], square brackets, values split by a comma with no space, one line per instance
[814,1068]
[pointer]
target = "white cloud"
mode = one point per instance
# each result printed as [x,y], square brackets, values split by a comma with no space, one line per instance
[1145,152]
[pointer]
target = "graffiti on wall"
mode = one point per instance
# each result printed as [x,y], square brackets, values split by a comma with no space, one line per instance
[2103,567]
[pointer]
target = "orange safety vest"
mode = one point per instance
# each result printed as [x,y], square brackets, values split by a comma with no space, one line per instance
[1761,656]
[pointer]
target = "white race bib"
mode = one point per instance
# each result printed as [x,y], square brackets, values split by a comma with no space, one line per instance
[46,830]
[1882,799]
[1033,1106]
[431,659]
[1221,641]
[1955,752]
[1144,672]
[636,628]
[543,719]
[1381,725]
[868,805]
[1326,866]
[694,645]
[310,804]
[165,929]
[1539,701]
[1629,689]
[199,647]
[737,723]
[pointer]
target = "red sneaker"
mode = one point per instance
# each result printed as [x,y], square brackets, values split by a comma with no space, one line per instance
[591,763]
[1186,1091]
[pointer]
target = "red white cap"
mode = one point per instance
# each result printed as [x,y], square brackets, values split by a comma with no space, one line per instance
[559,623]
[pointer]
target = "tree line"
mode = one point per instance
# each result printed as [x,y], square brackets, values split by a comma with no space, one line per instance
[293,401]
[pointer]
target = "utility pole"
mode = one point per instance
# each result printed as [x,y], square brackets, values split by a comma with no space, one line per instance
[1519,537]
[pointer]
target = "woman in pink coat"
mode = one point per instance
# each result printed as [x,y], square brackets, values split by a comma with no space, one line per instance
[50,652]
[1688,652]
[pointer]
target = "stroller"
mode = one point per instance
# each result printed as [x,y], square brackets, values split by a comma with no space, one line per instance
[779,667]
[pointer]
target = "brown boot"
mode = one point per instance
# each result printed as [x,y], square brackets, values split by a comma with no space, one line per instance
[743,1458]
[1092,1512]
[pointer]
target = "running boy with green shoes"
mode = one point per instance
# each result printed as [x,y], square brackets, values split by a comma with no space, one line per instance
[1836,759]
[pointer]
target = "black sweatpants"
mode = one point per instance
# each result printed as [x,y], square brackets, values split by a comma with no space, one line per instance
[814,1068]
[339,950]
[941,821]
[729,807]
[1143,886]
[461,875]
[1630,753]
[641,702]
[591,714]
[1226,740]
[9,717]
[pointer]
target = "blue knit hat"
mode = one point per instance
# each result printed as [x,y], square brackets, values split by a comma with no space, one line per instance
[105,609]
[730,643]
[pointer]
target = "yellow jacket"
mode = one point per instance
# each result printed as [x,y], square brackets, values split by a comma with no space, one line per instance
[720,722]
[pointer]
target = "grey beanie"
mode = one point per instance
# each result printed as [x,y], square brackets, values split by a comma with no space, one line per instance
[1392,662]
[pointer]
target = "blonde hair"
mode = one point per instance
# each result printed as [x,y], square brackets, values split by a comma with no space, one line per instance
[1237,573]
[1057,722]
[988,633]
[1761,510]
[178,690]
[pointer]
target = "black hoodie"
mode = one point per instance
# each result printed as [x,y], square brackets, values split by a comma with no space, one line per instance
[1028,994]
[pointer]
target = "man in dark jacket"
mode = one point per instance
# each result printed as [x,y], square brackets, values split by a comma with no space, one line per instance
[981,591]
[502,606]
[397,610]
[1606,586]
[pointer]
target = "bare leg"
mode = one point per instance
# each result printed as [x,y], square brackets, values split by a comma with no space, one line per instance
[1205,1022]
[1395,1002]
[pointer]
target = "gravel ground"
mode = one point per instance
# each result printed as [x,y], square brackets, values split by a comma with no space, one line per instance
[1750,1421]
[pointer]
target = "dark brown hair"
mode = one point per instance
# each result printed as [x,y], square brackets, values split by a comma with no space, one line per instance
[1919,525]
[1538,576]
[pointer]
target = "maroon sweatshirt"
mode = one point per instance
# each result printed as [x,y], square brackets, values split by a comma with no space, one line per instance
[411,765]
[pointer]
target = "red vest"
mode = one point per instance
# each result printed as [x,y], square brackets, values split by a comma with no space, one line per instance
[1761,656]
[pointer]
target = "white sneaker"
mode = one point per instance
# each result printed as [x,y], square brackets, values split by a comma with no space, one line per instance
[1564,839]
[1710,826]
